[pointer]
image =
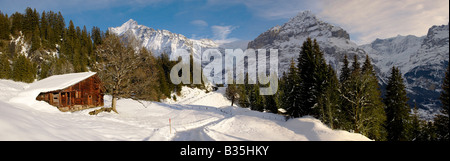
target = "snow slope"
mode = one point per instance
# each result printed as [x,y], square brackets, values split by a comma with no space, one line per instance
[196,115]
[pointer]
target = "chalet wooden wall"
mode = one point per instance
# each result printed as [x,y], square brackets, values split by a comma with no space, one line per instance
[85,94]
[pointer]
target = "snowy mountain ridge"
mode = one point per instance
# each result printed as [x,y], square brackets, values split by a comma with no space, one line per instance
[160,41]
[422,61]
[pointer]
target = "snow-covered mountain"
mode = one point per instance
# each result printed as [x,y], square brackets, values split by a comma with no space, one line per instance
[160,41]
[422,61]
[288,39]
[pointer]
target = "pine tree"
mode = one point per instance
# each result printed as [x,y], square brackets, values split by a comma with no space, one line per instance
[368,67]
[345,105]
[258,104]
[23,70]
[35,40]
[4,27]
[145,78]
[16,23]
[280,96]
[5,69]
[345,71]
[361,102]
[291,100]
[232,93]
[396,108]
[44,26]
[243,93]
[270,104]
[312,67]
[374,126]
[356,67]
[416,126]
[329,101]
[441,121]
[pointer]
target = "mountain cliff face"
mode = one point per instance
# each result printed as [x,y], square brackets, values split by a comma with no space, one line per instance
[288,39]
[422,61]
[159,41]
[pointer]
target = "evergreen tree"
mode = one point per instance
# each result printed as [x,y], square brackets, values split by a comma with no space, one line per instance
[16,23]
[368,67]
[165,67]
[35,40]
[23,70]
[270,104]
[280,96]
[243,93]
[258,103]
[329,101]
[232,93]
[361,103]
[312,67]
[441,121]
[416,126]
[4,27]
[44,26]
[5,69]
[345,105]
[145,78]
[396,108]
[375,114]
[291,91]
[356,67]
[345,71]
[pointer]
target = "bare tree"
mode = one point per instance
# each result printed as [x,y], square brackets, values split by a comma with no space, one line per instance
[116,67]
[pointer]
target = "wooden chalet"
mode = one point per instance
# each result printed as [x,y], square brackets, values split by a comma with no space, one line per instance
[73,92]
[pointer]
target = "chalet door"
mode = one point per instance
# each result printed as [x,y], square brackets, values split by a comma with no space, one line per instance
[63,99]
[55,99]
[69,100]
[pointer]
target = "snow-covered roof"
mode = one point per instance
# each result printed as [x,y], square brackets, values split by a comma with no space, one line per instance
[58,82]
[52,83]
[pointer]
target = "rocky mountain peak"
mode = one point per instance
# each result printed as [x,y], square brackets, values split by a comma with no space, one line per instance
[288,38]
[437,36]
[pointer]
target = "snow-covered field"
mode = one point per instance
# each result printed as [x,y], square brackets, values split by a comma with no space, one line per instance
[195,116]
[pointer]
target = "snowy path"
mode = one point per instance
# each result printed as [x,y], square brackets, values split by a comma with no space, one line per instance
[195,116]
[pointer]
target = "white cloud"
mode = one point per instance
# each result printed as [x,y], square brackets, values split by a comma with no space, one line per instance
[222,32]
[370,19]
[199,23]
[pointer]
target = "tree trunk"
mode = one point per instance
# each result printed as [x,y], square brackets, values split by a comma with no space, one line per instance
[232,101]
[113,104]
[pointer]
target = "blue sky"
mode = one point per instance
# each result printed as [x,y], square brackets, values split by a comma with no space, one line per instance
[231,20]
